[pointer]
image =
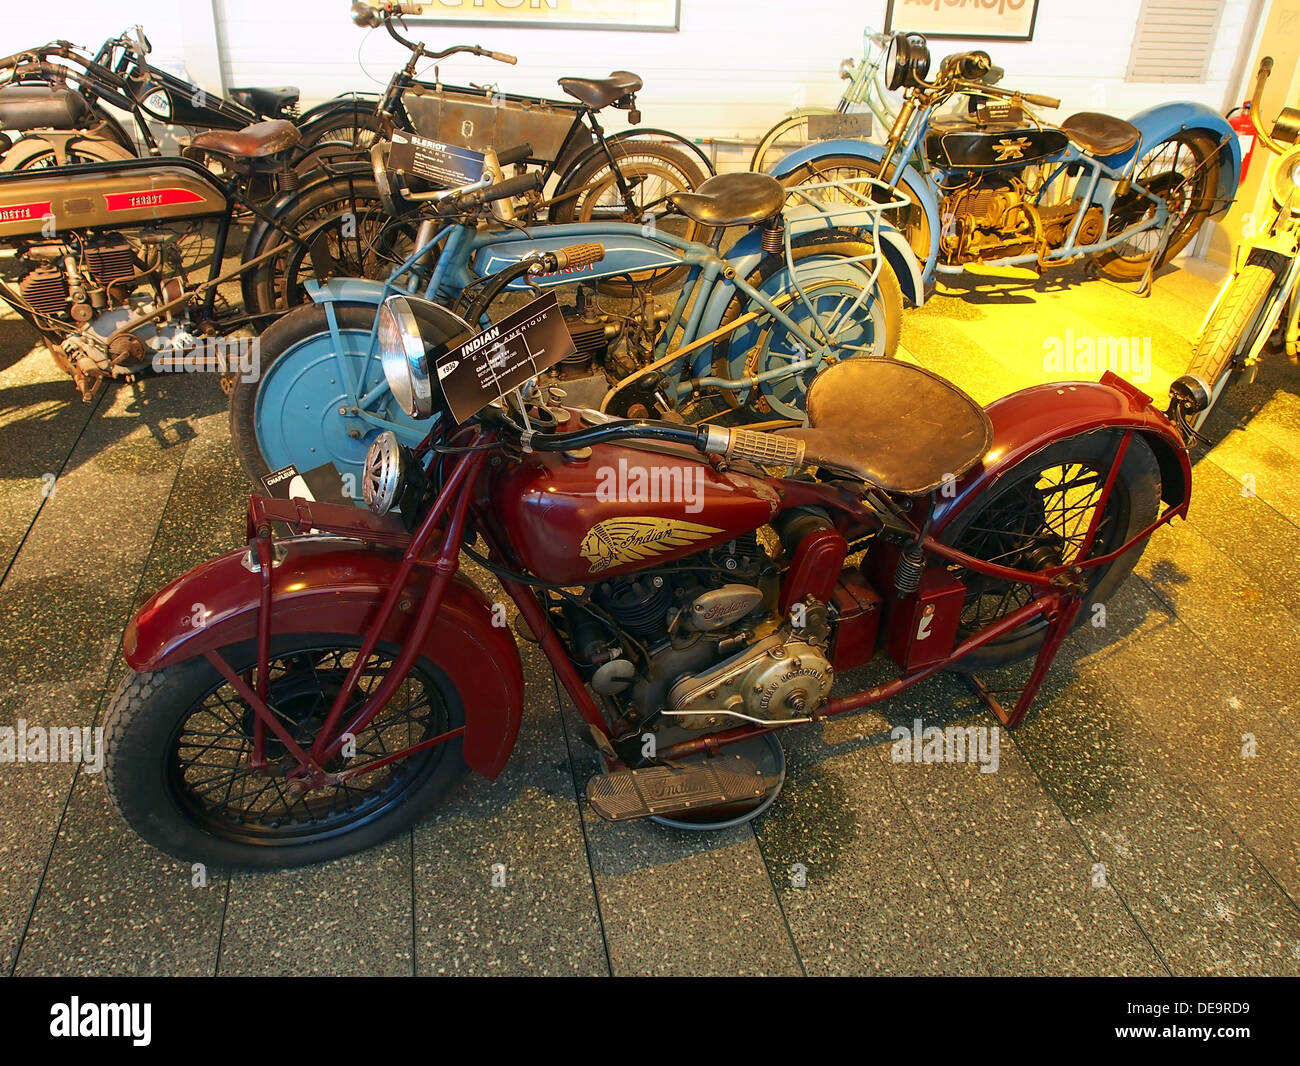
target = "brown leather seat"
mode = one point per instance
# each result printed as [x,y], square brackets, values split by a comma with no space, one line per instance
[252,142]
[893,424]
[267,102]
[601,92]
[736,199]
[1100,134]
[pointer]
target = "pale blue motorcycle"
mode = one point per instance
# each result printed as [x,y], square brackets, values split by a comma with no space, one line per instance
[807,284]
[990,185]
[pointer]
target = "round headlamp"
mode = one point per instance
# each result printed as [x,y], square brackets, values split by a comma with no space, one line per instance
[413,334]
[907,60]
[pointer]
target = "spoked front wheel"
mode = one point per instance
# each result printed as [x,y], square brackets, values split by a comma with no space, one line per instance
[1234,326]
[1036,517]
[180,740]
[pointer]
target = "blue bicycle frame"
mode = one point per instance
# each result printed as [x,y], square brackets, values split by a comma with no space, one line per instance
[461,255]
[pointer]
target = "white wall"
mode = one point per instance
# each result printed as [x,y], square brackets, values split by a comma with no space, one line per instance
[734,68]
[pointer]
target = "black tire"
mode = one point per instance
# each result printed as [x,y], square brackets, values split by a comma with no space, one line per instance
[283,334]
[34,152]
[1234,324]
[344,217]
[356,128]
[910,219]
[164,801]
[1190,193]
[1134,504]
[653,170]
[835,243]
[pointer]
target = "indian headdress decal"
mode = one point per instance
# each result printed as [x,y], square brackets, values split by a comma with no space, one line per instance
[617,541]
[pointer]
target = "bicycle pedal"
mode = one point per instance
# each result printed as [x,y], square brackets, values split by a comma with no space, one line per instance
[627,794]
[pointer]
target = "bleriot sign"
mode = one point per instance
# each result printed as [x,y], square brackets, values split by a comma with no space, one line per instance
[596,14]
[998,19]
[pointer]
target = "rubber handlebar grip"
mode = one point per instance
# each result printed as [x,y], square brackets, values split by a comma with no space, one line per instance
[511,187]
[517,154]
[765,449]
[578,256]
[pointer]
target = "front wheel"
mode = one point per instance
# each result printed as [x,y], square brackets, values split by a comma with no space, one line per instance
[299,409]
[344,232]
[829,299]
[179,744]
[1234,326]
[1035,517]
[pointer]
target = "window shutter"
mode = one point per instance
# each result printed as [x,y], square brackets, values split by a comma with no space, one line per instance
[1174,39]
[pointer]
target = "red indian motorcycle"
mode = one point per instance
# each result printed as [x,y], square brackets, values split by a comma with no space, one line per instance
[308,696]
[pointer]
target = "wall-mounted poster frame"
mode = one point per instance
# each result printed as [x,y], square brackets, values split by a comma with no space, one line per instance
[987,20]
[654,16]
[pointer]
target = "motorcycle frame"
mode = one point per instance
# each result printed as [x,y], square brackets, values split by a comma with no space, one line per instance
[1061,593]
[236,200]
[710,283]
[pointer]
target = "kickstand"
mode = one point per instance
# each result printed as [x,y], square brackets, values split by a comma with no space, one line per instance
[1059,623]
[1143,287]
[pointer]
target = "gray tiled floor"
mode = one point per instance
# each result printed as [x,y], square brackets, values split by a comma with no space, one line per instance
[1124,832]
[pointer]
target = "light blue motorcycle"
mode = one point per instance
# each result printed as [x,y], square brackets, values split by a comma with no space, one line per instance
[806,285]
[991,185]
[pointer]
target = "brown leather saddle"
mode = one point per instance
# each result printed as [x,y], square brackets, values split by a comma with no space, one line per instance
[895,425]
[738,199]
[252,142]
[1100,134]
[601,92]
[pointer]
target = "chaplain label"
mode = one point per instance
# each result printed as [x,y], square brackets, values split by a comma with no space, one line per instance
[447,165]
[503,357]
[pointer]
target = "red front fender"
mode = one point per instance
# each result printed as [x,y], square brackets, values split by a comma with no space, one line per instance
[337,585]
[1031,419]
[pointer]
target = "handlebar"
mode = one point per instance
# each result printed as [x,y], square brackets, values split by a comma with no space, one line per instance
[1041,101]
[367,16]
[1256,104]
[508,189]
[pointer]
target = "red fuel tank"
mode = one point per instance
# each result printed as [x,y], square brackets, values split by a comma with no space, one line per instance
[576,518]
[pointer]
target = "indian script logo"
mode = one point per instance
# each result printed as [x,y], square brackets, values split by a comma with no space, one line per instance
[617,541]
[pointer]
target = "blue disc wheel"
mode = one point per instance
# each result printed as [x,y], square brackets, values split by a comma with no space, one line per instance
[302,408]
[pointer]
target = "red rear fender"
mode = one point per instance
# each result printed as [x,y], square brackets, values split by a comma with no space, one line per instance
[1031,419]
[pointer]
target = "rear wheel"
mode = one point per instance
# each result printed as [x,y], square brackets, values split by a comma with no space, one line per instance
[788,135]
[1184,172]
[835,313]
[179,741]
[1035,517]
[345,233]
[909,219]
[1234,326]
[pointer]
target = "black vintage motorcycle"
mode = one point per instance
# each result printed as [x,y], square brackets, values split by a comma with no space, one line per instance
[58,105]
[118,264]
[610,178]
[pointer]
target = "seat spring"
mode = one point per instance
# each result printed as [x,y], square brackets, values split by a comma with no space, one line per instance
[907,572]
[774,235]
